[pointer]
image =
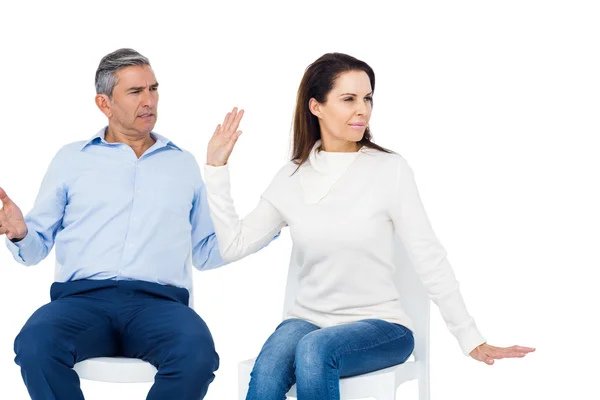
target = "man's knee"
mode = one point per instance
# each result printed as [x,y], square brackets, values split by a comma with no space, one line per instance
[195,356]
[38,344]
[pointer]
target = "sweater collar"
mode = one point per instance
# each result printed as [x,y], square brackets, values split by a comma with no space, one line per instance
[324,169]
[328,162]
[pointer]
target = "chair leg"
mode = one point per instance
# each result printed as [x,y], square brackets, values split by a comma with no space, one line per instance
[243,382]
[385,392]
[423,388]
[388,395]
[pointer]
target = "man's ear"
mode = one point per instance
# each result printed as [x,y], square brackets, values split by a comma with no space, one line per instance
[103,103]
[315,107]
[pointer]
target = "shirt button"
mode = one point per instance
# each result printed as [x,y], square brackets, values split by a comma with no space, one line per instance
[138,191]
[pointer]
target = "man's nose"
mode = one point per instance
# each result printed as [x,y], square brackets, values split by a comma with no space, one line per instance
[147,99]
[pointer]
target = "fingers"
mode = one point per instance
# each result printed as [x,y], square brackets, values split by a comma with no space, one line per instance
[233,140]
[523,349]
[5,227]
[236,120]
[514,349]
[224,138]
[487,353]
[499,353]
[480,355]
[232,122]
[227,121]
[217,130]
[508,352]
[229,118]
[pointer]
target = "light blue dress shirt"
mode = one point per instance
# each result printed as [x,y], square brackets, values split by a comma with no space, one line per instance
[114,216]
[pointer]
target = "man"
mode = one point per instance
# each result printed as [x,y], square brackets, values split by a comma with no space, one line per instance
[127,210]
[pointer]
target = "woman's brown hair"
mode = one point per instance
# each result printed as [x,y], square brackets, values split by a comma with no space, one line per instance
[318,80]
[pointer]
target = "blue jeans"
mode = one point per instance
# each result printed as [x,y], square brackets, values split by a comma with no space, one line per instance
[315,359]
[89,318]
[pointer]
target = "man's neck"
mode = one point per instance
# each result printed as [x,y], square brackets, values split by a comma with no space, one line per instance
[139,143]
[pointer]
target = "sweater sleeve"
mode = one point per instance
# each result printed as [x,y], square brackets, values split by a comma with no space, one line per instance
[429,259]
[238,238]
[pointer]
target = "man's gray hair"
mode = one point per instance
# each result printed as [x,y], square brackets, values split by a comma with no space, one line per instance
[106,74]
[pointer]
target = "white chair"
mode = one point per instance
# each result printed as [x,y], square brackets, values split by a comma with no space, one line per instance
[119,369]
[381,384]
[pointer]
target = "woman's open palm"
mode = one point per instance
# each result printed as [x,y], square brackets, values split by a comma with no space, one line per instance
[487,353]
[223,140]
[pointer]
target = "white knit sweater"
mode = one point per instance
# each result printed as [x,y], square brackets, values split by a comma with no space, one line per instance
[343,210]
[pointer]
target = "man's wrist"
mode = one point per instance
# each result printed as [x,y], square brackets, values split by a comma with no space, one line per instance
[18,239]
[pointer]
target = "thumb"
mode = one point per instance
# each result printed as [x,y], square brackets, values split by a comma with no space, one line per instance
[4,197]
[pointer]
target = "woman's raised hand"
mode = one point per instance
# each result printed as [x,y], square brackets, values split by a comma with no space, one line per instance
[223,140]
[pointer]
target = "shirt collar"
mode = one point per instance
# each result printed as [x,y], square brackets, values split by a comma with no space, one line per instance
[99,138]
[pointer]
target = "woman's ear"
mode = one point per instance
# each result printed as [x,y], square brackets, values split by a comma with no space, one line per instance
[315,107]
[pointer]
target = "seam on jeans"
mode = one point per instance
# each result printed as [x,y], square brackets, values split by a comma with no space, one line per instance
[333,389]
[340,353]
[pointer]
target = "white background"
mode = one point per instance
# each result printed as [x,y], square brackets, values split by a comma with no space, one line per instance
[495,105]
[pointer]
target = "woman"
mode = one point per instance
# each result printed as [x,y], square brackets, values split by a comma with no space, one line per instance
[344,199]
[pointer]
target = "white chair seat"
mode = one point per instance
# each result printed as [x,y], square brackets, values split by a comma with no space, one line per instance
[355,387]
[115,369]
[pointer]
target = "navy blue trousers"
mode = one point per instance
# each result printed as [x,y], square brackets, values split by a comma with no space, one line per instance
[96,318]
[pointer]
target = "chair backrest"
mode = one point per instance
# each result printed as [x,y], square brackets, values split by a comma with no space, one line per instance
[188,266]
[412,294]
[190,270]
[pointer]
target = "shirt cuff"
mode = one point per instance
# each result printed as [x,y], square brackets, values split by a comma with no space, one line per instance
[25,246]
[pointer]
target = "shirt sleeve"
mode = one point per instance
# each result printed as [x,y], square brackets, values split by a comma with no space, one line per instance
[45,218]
[238,238]
[205,247]
[429,259]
